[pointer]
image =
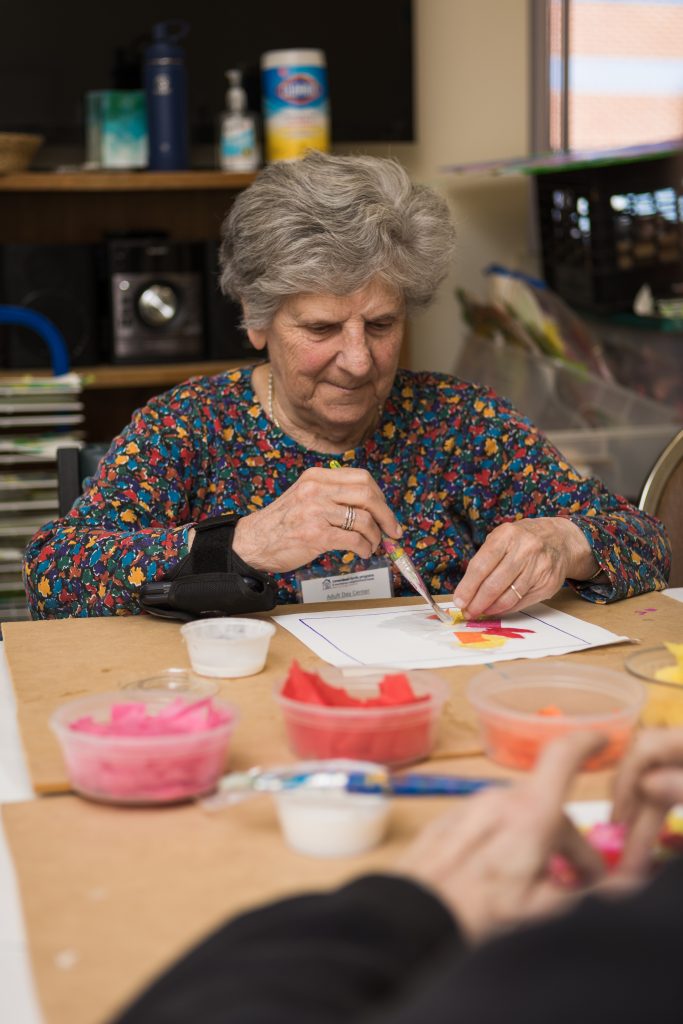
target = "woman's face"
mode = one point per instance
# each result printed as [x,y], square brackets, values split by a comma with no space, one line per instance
[334,358]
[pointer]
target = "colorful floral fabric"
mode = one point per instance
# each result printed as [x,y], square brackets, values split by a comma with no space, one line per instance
[453,460]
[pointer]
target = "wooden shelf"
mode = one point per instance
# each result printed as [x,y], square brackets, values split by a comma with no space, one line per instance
[122,181]
[105,376]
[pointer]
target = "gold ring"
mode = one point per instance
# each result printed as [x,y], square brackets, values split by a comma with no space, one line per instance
[514,590]
[350,518]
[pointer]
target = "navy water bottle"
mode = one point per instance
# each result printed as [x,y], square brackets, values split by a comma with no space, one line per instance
[166,89]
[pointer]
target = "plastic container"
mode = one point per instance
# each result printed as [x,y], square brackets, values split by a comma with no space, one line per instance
[522,707]
[296,113]
[645,355]
[621,457]
[141,769]
[602,429]
[664,706]
[177,681]
[386,735]
[227,647]
[331,822]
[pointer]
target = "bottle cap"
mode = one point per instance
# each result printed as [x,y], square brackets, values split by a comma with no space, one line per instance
[165,36]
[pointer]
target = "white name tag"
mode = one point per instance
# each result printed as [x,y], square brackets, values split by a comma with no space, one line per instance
[351,586]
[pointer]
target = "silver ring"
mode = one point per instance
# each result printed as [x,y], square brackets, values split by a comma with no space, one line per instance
[350,518]
[514,590]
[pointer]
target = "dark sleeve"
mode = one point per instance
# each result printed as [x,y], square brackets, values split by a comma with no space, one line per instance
[314,959]
[606,961]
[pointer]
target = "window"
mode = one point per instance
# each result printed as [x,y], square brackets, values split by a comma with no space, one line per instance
[607,73]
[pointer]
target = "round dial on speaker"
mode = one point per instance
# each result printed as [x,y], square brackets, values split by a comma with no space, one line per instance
[158,304]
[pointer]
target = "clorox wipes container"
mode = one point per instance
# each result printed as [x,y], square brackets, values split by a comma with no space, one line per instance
[296,109]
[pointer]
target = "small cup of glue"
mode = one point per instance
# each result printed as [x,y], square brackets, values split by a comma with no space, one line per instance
[330,822]
[227,647]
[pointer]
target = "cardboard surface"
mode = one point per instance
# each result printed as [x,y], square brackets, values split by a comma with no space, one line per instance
[112,895]
[56,660]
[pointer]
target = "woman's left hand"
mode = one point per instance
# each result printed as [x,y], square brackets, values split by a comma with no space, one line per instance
[523,562]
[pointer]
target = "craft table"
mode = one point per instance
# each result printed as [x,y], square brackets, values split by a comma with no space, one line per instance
[111,895]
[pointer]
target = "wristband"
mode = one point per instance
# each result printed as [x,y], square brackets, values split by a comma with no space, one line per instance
[211,580]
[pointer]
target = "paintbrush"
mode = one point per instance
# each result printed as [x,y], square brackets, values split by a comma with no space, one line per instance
[407,569]
[340,776]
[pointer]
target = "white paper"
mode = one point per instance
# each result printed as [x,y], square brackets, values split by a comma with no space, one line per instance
[410,636]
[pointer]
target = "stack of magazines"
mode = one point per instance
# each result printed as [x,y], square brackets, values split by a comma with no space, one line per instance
[37,416]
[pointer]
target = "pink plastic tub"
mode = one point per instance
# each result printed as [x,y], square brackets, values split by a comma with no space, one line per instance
[180,756]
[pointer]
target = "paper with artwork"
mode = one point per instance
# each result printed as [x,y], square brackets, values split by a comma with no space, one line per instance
[413,637]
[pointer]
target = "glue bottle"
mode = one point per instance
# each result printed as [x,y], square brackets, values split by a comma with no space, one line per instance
[238,147]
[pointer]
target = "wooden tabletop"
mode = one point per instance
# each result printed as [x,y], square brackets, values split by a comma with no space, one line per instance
[112,895]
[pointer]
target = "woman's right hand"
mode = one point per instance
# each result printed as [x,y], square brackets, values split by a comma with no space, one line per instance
[648,784]
[308,519]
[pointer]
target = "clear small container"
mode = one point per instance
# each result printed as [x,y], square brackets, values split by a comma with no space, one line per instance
[646,662]
[141,769]
[664,706]
[323,822]
[227,647]
[521,707]
[175,680]
[388,735]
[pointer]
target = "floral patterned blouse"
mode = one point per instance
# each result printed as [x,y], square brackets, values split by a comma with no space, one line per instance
[453,459]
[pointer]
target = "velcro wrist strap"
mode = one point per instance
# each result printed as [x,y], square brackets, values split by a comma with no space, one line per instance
[211,580]
[212,548]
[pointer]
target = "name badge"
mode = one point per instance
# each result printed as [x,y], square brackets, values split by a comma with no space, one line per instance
[375,581]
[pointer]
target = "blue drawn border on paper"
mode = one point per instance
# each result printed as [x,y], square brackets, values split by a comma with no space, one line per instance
[383,611]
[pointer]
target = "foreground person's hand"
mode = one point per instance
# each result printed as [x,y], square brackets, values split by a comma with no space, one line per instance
[648,784]
[489,861]
[309,519]
[523,562]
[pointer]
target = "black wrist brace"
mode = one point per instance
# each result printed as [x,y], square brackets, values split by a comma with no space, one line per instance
[211,579]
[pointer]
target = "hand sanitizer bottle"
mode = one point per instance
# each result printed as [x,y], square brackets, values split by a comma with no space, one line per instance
[238,146]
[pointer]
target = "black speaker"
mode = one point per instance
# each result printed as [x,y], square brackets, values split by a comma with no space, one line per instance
[225,339]
[61,282]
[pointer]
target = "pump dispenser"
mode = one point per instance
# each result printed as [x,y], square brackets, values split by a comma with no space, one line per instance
[238,147]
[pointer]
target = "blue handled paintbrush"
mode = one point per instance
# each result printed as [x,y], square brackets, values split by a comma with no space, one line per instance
[341,776]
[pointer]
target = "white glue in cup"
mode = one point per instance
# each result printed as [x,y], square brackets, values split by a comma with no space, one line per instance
[227,647]
[332,823]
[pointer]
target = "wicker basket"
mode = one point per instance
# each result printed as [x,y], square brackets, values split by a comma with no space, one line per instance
[17,151]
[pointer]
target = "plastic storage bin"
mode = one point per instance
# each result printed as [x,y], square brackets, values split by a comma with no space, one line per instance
[645,357]
[607,229]
[602,429]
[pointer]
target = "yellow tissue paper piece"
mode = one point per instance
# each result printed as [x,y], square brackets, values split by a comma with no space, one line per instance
[672,673]
[456,614]
[666,708]
[663,710]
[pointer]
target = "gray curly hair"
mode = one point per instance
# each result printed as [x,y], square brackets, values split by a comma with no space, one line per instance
[333,224]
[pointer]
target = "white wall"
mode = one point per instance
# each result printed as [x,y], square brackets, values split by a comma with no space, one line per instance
[471,103]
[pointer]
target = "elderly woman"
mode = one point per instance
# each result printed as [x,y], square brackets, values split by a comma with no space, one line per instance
[226,480]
